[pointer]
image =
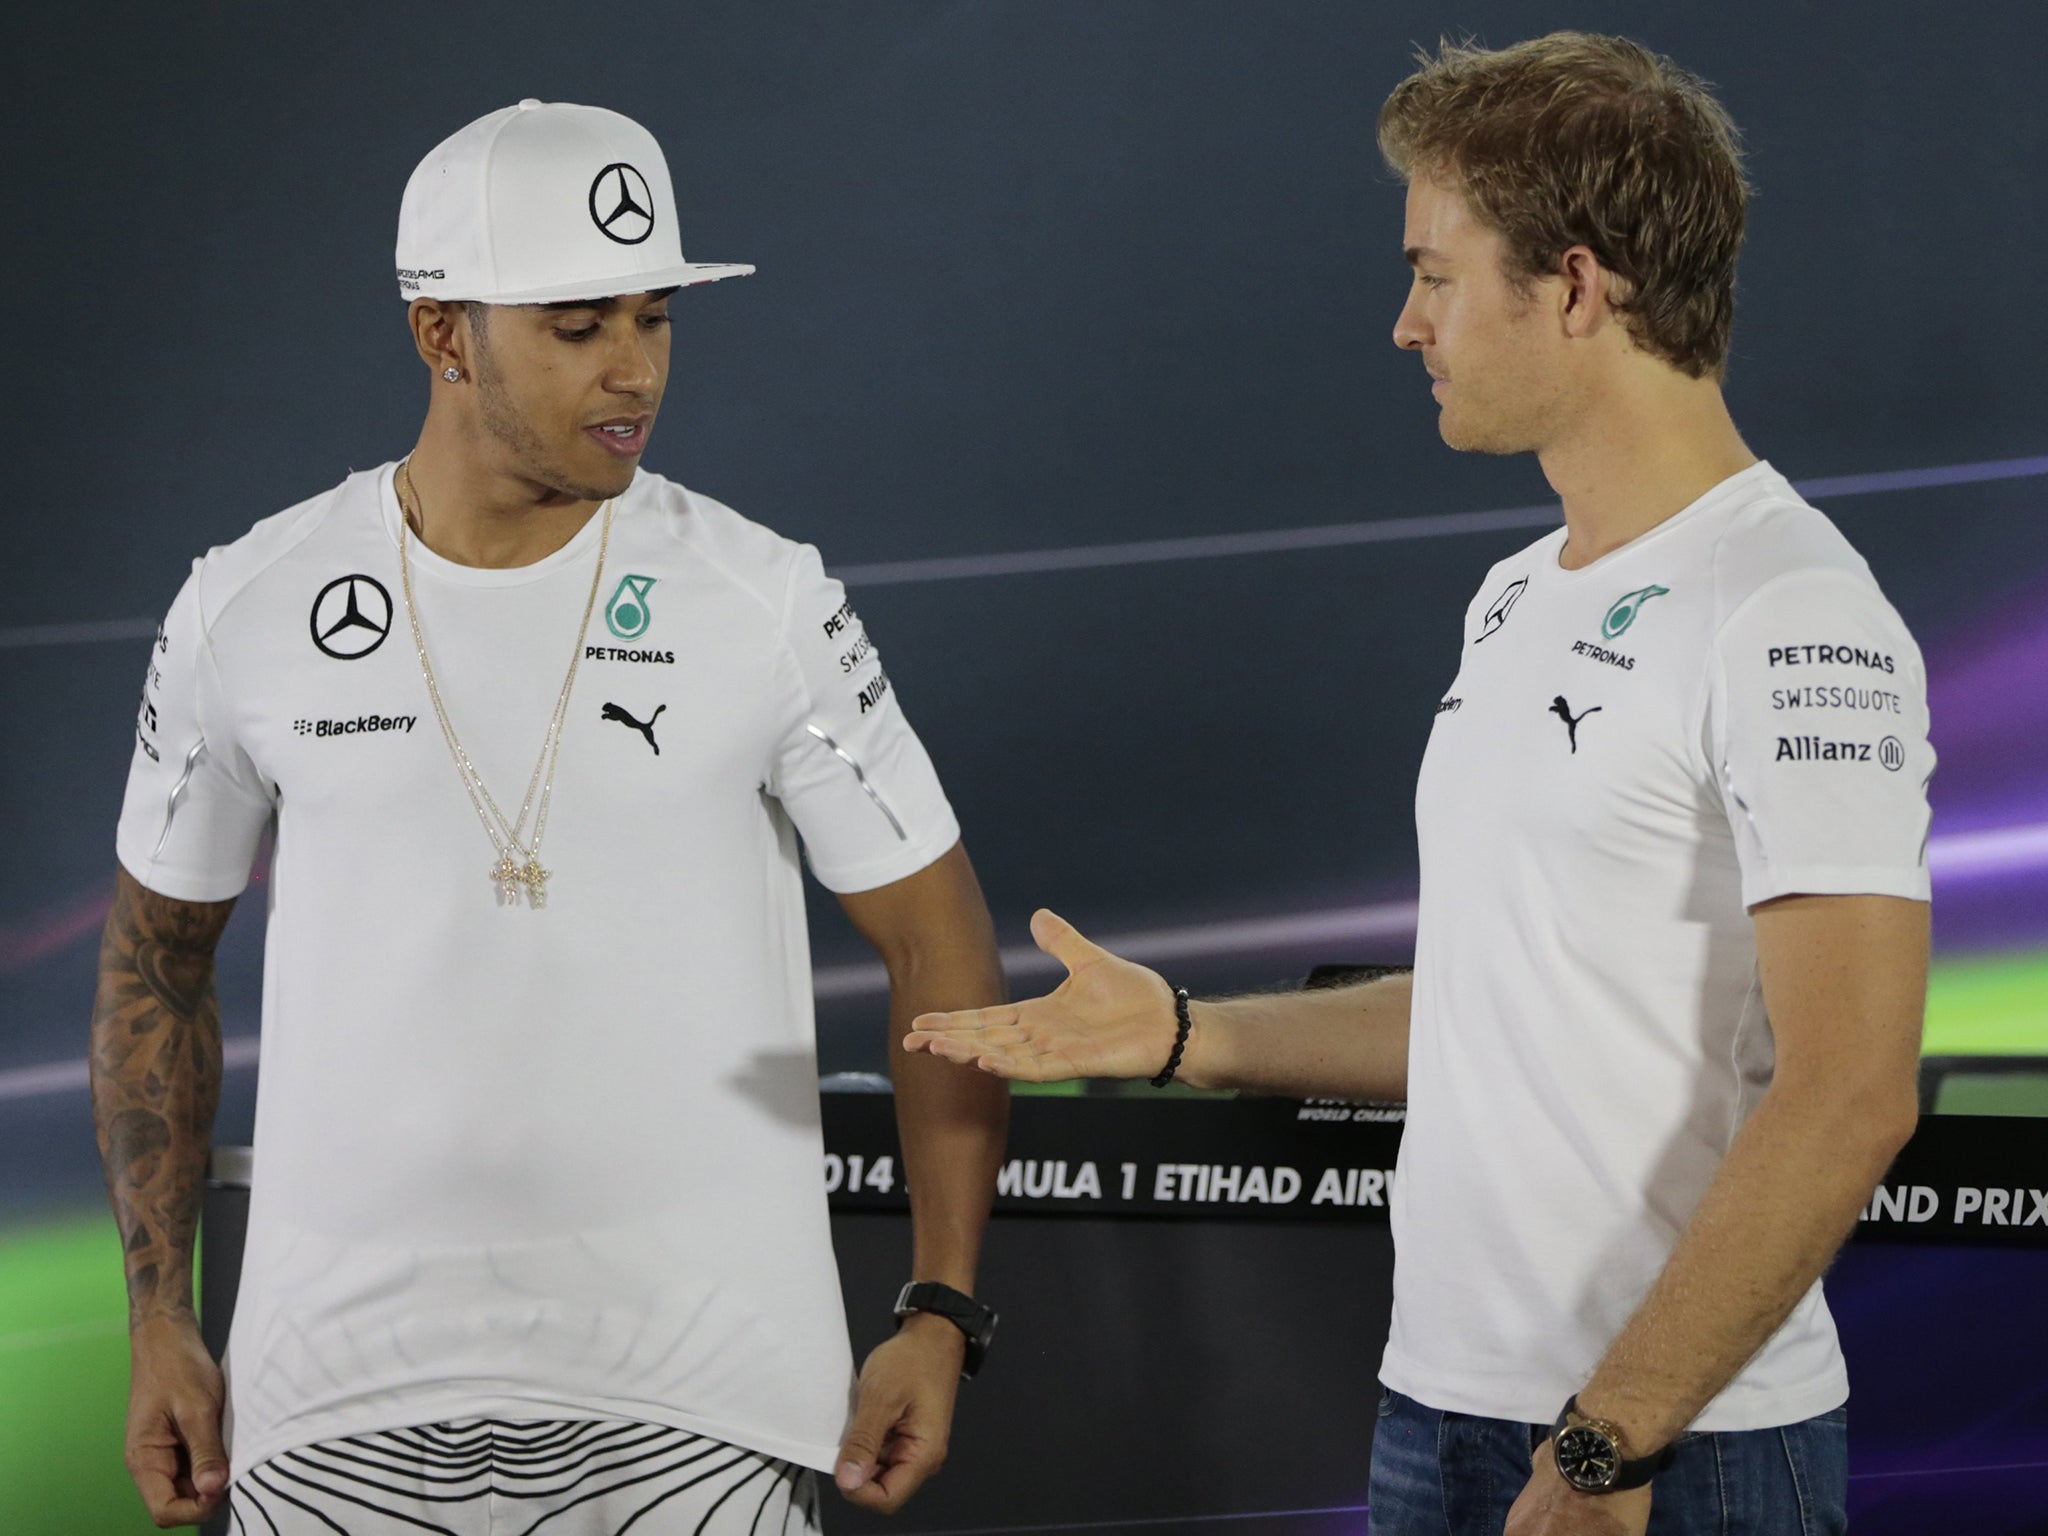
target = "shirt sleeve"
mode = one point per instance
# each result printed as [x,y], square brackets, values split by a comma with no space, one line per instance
[849,770]
[1817,726]
[196,806]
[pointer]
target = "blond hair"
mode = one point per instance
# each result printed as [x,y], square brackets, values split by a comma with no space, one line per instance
[1576,139]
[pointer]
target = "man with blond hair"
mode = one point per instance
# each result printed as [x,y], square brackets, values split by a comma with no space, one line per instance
[1662,1033]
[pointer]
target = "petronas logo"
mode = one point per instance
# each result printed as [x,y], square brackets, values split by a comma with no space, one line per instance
[626,614]
[1620,616]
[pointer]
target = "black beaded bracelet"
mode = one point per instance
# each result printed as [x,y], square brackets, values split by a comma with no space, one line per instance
[1180,1039]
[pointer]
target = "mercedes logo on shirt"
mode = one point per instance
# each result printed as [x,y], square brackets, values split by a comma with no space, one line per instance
[351,617]
[1497,613]
[621,205]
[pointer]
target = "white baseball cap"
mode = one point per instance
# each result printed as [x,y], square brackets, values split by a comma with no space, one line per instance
[540,203]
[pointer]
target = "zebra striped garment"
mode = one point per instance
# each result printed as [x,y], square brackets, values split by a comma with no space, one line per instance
[491,1477]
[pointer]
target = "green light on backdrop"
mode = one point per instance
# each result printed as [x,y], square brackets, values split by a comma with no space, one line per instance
[63,1317]
[1991,1006]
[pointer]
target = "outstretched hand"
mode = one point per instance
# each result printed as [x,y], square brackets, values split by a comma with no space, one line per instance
[1109,1018]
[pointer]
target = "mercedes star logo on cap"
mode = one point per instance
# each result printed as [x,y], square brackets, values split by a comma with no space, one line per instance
[351,617]
[489,216]
[620,204]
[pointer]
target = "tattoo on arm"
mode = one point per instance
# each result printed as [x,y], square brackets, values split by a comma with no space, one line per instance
[156,1068]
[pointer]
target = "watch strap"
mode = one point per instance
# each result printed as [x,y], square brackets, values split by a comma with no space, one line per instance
[976,1321]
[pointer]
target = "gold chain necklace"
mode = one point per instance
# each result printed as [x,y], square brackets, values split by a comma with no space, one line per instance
[518,865]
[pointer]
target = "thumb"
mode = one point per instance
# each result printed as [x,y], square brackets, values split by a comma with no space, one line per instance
[199,1427]
[1062,940]
[862,1447]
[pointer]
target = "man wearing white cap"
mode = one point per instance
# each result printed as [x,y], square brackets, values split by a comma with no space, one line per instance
[537,1237]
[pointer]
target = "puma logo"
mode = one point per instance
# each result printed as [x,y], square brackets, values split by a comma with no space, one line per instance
[1559,708]
[646,728]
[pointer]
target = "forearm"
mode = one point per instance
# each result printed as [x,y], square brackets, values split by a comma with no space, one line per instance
[1337,1042]
[1844,982]
[1784,1200]
[156,1070]
[952,1124]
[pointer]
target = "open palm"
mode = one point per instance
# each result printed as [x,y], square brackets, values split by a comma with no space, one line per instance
[1109,1018]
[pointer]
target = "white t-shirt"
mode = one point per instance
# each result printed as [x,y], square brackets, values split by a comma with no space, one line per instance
[562,1163]
[1723,711]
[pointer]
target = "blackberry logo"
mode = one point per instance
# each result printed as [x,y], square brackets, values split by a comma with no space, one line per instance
[361,725]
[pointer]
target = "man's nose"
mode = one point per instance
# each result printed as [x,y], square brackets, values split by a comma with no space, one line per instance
[1409,331]
[631,369]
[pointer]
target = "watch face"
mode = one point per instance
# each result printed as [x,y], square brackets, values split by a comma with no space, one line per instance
[1587,1458]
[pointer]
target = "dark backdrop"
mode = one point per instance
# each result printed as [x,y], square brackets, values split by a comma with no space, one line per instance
[1032,276]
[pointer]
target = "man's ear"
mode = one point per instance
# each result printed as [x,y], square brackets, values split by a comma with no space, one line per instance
[1589,292]
[440,334]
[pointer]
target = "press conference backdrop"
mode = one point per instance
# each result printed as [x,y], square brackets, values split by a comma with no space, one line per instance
[1069,348]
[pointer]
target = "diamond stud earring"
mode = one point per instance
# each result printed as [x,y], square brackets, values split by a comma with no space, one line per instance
[452,375]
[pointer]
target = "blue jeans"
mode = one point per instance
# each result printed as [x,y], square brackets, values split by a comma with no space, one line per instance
[1454,1474]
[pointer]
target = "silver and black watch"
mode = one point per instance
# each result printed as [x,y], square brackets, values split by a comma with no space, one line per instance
[973,1319]
[1589,1454]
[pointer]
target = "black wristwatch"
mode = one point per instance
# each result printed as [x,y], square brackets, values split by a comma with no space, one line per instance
[1588,1453]
[956,1307]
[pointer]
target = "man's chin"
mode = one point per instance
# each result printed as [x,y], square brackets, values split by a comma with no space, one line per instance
[603,483]
[1465,437]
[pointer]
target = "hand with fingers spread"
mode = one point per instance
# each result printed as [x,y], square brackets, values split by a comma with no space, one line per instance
[174,1406]
[1109,1018]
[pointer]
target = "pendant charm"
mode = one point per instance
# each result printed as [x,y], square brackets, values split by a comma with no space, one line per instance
[506,875]
[535,879]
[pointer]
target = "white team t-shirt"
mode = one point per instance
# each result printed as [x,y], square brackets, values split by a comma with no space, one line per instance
[562,1163]
[1722,711]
